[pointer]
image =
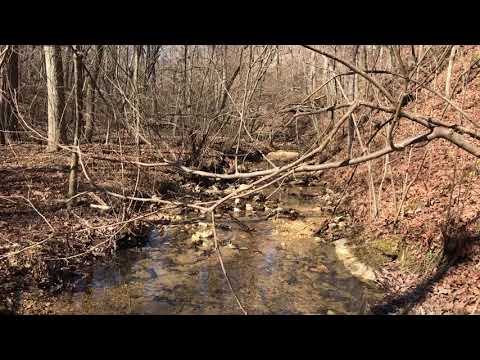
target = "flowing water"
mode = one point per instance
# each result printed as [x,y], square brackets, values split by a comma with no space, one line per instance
[276,269]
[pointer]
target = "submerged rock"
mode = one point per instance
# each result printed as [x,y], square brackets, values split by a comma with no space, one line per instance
[280,212]
[259,198]
[319,269]
[200,235]
[207,244]
[152,272]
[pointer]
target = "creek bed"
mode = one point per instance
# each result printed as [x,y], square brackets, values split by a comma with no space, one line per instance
[276,269]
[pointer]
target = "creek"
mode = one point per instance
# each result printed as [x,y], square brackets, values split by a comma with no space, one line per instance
[278,268]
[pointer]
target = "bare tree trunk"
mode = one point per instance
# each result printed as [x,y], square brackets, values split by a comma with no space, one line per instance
[229,83]
[78,76]
[223,84]
[186,81]
[68,79]
[56,97]
[90,99]
[312,73]
[66,67]
[136,69]
[8,94]
[151,76]
[351,132]
[449,71]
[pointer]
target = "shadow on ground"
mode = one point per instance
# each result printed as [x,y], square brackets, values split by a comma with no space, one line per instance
[403,303]
[453,256]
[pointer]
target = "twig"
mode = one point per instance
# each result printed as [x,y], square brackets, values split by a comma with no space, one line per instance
[217,249]
[36,210]
[25,248]
[88,250]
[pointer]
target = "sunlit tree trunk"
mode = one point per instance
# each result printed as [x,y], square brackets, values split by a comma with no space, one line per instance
[56,97]
[78,82]
[449,71]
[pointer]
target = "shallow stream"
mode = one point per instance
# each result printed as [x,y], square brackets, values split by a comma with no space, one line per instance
[278,268]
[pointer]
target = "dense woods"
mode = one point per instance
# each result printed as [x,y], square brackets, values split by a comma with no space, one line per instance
[95,139]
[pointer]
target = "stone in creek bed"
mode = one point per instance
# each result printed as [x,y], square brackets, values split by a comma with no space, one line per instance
[142,275]
[153,273]
[319,269]
[292,280]
[199,236]
[354,265]
[163,299]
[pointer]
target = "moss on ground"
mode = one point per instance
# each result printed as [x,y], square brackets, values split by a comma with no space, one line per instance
[370,256]
[377,252]
[388,245]
[409,260]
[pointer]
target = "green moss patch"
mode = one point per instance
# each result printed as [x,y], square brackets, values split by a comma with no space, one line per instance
[387,245]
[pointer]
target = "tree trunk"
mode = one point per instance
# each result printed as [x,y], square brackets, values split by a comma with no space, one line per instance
[449,71]
[8,95]
[90,100]
[68,79]
[78,76]
[56,97]
[136,70]
[351,132]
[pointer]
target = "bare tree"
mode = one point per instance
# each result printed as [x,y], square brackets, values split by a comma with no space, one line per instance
[8,93]
[91,90]
[78,82]
[56,96]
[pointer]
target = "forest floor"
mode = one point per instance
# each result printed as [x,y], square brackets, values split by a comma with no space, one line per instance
[42,243]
